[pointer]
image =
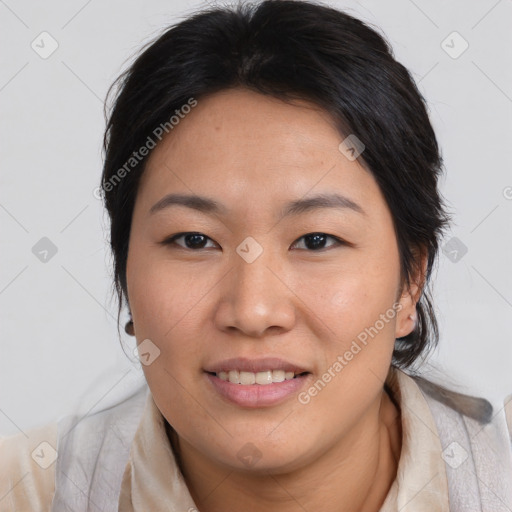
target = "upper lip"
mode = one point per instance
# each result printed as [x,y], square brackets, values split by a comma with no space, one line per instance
[254,365]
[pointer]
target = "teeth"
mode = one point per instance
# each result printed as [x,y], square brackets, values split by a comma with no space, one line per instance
[280,375]
[247,378]
[262,378]
[234,376]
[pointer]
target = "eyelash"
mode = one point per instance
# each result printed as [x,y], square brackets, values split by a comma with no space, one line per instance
[172,240]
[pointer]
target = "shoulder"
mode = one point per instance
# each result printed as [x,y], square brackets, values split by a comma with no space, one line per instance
[471,407]
[476,447]
[470,421]
[474,424]
[27,469]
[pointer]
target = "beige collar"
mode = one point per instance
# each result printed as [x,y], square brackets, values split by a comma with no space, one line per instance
[421,483]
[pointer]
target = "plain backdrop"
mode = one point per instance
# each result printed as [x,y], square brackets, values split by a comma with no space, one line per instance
[59,348]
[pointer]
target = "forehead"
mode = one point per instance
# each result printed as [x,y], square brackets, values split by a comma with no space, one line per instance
[241,144]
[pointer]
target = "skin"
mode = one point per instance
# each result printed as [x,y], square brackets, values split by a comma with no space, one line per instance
[253,154]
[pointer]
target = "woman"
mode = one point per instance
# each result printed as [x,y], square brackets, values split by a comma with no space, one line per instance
[271,179]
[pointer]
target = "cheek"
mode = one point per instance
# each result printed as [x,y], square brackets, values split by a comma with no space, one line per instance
[355,313]
[167,308]
[167,305]
[163,298]
[351,294]
[358,317]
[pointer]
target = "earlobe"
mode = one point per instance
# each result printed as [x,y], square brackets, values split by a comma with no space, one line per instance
[407,326]
[408,315]
[129,329]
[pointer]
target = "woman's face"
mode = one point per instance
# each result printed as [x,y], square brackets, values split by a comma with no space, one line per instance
[254,282]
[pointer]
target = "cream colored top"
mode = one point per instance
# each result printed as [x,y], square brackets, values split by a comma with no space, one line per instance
[152,478]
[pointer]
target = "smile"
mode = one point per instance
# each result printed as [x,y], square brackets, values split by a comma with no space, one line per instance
[251,394]
[262,378]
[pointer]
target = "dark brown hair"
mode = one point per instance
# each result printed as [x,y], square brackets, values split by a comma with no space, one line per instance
[290,49]
[293,49]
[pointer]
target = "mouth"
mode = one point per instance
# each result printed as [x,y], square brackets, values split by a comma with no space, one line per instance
[262,378]
[240,370]
[256,383]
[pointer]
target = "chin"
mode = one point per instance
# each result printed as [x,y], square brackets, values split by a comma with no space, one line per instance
[261,457]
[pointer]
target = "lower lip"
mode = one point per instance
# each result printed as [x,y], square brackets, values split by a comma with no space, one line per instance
[257,395]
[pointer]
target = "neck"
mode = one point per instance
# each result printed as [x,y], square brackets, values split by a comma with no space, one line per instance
[354,475]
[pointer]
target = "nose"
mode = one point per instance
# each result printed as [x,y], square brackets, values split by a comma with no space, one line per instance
[255,299]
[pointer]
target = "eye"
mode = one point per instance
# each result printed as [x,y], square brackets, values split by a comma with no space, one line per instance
[196,241]
[192,240]
[316,241]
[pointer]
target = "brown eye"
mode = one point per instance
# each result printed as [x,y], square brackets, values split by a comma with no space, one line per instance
[192,240]
[317,241]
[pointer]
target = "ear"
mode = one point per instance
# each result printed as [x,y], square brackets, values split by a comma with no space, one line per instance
[407,315]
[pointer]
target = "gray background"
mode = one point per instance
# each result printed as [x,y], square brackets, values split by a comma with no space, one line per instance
[58,340]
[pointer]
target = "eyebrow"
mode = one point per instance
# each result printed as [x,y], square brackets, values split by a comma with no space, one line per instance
[210,206]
